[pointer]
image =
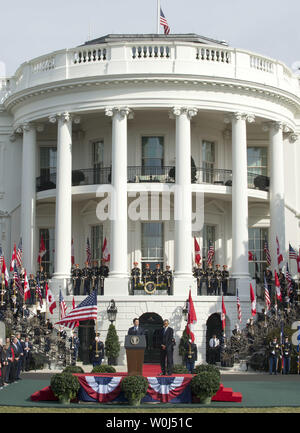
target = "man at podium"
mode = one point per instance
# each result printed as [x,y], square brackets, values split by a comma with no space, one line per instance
[136,329]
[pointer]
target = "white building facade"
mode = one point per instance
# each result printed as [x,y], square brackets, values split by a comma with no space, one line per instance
[151,141]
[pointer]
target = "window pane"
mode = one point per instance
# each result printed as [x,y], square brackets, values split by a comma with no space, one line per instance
[48,156]
[152,151]
[98,153]
[152,242]
[257,237]
[257,160]
[49,241]
[97,241]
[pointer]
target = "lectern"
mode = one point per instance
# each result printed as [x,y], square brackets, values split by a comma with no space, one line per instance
[135,347]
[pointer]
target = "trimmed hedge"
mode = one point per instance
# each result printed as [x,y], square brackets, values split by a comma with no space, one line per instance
[104,368]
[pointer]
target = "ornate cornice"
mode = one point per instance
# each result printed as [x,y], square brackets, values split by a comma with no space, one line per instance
[64,117]
[248,117]
[190,112]
[122,111]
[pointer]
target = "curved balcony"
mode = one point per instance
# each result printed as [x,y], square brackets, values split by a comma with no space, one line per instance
[164,174]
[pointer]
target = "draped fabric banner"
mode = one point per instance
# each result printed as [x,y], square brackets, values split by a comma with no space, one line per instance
[108,389]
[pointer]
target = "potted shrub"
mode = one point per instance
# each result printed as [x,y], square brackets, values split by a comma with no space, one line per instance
[204,385]
[180,369]
[73,369]
[134,388]
[208,368]
[112,345]
[104,368]
[65,387]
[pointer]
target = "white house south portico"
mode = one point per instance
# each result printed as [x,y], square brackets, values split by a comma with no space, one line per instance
[133,138]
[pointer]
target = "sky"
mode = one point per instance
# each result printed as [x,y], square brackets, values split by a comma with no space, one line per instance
[36,27]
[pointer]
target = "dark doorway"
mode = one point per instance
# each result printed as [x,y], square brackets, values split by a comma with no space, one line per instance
[213,326]
[86,336]
[151,323]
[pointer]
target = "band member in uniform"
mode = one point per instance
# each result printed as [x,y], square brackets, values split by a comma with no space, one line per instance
[76,277]
[74,346]
[167,344]
[209,279]
[225,279]
[273,355]
[168,278]
[158,274]
[191,355]
[135,275]
[103,273]
[147,274]
[97,351]
[286,355]
[200,274]
[282,282]
[217,280]
[136,329]
[86,277]
[42,276]
[95,273]
[32,286]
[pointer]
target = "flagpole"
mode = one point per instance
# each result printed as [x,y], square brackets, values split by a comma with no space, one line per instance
[158,15]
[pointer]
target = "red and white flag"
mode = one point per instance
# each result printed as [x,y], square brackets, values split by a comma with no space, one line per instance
[13,261]
[223,314]
[50,299]
[42,250]
[105,253]
[72,253]
[250,256]
[192,319]
[197,252]
[298,262]
[4,271]
[279,255]
[253,301]
[26,287]
[278,288]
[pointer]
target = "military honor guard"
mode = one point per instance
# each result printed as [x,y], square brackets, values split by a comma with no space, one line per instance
[147,274]
[42,277]
[103,273]
[158,274]
[225,280]
[191,354]
[209,279]
[286,350]
[217,280]
[76,278]
[200,275]
[32,286]
[86,277]
[274,351]
[74,346]
[95,274]
[97,351]
[135,275]
[168,278]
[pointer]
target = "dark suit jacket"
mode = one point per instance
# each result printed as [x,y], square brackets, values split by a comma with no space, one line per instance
[132,331]
[167,338]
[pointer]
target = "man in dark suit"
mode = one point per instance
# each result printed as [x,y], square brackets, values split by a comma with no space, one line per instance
[167,344]
[27,353]
[136,329]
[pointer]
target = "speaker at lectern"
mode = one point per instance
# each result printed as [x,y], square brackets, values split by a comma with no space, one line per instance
[135,346]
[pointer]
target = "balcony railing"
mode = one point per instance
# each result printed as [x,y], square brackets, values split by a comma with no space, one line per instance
[164,174]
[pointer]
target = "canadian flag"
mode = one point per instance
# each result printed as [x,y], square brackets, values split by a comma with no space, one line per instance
[50,299]
[75,324]
[223,315]
[72,253]
[42,251]
[105,253]
[279,255]
[192,319]
[253,301]
[26,287]
[4,271]
[250,256]
[197,252]
[277,285]
[13,261]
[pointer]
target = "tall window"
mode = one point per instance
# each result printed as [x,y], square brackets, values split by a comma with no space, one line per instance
[48,156]
[256,240]
[257,160]
[209,236]
[49,241]
[96,241]
[98,157]
[208,161]
[152,154]
[152,244]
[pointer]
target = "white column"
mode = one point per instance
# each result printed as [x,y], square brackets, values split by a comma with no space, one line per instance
[118,238]
[183,195]
[277,213]
[28,203]
[240,266]
[63,217]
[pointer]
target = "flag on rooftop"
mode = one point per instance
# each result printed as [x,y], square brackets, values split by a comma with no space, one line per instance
[163,22]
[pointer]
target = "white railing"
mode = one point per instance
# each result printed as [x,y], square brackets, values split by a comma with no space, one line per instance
[43,65]
[262,64]
[213,55]
[151,52]
[89,55]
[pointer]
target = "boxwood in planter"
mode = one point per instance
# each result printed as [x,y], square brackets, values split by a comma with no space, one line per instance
[208,368]
[180,369]
[204,385]
[134,388]
[73,369]
[104,368]
[65,386]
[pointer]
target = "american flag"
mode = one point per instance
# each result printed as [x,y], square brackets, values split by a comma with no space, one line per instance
[86,310]
[267,294]
[88,252]
[288,278]
[238,305]
[267,252]
[163,22]
[210,254]
[63,307]
[19,253]
[17,281]
[292,253]
[38,291]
